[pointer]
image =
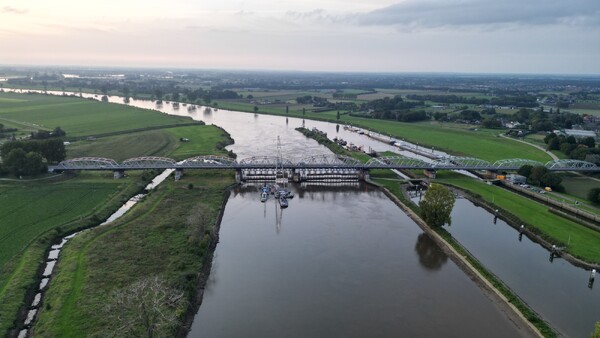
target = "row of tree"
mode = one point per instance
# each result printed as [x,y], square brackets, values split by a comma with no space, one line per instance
[30,157]
[522,100]
[540,176]
[583,149]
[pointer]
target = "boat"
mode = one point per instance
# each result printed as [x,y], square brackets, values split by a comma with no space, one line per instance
[264,196]
[283,203]
[290,194]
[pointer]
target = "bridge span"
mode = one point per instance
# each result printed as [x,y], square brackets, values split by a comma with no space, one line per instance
[313,167]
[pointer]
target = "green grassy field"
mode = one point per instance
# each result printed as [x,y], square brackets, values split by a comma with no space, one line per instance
[579,186]
[34,213]
[584,242]
[162,142]
[78,117]
[155,238]
[38,207]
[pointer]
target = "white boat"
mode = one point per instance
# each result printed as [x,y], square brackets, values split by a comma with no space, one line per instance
[283,203]
[264,196]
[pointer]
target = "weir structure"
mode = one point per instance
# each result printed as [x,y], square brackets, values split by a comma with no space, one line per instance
[312,168]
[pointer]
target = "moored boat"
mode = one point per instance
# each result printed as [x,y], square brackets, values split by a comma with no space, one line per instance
[283,203]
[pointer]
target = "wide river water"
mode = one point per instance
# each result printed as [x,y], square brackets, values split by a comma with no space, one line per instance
[345,261]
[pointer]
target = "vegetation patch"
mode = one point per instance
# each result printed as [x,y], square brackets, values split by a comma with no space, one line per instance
[178,142]
[168,234]
[34,214]
[80,117]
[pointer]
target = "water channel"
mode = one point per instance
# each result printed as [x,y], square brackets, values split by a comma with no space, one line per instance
[345,261]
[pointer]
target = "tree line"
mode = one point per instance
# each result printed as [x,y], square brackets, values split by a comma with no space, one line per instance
[394,109]
[583,149]
[30,157]
[522,100]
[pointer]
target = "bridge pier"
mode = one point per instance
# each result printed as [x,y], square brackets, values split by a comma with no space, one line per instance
[238,175]
[118,174]
[178,174]
[429,173]
[365,175]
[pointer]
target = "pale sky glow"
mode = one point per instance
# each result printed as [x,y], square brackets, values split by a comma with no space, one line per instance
[508,36]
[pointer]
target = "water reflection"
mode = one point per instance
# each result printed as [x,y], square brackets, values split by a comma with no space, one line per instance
[557,290]
[338,262]
[431,256]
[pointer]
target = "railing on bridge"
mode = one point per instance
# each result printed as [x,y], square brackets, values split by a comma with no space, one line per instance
[149,162]
[208,161]
[90,163]
[316,162]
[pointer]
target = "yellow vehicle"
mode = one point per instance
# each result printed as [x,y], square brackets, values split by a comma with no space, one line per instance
[548,189]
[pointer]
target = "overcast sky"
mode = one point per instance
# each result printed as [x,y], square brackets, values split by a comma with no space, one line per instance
[491,36]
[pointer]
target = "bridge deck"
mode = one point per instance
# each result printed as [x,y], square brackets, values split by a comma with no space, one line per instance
[321,162]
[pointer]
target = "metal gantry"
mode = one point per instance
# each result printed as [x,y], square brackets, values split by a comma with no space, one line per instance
[149,162]
[569,165]
[330,161]
[208,161]
[516,163]
[87,163]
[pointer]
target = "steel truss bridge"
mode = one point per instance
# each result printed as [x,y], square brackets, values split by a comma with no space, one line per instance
[319,162]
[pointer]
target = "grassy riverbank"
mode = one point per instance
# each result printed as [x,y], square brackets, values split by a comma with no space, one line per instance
[394,188]
[579,241]
[167,234]
[453,138]
[200,140]
[34,213]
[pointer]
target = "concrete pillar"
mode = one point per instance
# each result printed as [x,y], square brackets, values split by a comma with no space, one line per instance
[365,175]
[238,175]
[118,174]
[429,173]
[178,174]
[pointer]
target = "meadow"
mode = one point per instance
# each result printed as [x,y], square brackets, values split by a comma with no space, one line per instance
[78,117]
[156,234]
[163,142]
[36,212]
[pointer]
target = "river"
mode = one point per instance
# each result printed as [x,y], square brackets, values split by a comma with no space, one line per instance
[339,262]
[347,262]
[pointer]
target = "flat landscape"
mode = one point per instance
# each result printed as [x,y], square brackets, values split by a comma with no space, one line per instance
[35,212]
[76,116]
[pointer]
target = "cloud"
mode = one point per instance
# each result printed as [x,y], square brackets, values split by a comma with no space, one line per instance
[491,13]
[12,10]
